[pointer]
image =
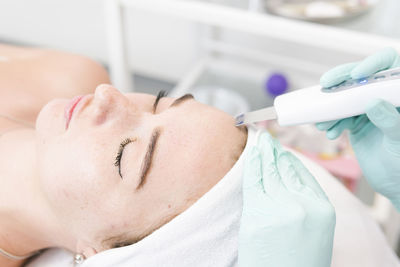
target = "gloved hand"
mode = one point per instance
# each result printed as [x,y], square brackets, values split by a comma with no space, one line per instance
[375,137]
[287,220]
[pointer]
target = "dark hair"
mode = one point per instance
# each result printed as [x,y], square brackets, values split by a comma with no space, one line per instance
[127,239]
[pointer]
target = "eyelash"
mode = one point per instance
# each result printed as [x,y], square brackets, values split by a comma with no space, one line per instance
[117,161]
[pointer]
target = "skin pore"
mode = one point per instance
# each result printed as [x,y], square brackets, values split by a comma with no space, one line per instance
[122,168]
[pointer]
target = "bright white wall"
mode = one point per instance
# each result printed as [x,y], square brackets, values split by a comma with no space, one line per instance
[78,26]
[73,25]
[160,47]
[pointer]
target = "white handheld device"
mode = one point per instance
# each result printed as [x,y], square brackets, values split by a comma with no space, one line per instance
[317,104]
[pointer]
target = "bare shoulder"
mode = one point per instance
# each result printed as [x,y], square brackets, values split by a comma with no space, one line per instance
[56,72]
[31,77]
[73,74]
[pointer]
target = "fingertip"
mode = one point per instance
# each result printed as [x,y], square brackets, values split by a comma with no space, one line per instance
[331,78]
[268,146]
[381,60]
[332,134]
[265,135]
[326,81]
[326,125]
[390,51]
[320,126]
[391,56]
[337,75]
[362,71]
[264,140]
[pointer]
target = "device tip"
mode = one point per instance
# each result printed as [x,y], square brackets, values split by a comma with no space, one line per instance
[239,120]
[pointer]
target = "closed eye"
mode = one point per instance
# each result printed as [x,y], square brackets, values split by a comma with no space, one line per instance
[121,148]
[126,141]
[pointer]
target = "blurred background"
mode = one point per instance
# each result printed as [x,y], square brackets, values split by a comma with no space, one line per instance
[234,54]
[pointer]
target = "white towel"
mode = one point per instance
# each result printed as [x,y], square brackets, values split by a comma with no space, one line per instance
[206,234]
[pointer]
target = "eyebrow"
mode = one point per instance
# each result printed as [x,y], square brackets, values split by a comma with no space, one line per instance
[181,99]
[160,95]
[147,160]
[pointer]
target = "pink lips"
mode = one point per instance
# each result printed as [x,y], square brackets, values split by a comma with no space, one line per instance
[69,109]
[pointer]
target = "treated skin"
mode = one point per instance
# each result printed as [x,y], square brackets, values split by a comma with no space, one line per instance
[77,198]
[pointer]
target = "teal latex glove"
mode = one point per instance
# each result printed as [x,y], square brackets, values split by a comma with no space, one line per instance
[287,220]
[375,137]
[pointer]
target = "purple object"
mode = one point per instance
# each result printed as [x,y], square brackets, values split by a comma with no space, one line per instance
[276,84]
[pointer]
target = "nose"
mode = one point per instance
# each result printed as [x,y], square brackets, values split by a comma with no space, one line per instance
[106,94]
[108,100]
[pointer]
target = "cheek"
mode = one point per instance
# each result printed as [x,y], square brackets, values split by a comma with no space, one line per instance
[63,177]
[71,181]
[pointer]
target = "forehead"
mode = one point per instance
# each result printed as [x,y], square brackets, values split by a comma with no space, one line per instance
[193,141]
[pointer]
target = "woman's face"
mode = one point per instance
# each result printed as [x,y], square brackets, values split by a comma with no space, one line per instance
[123,167]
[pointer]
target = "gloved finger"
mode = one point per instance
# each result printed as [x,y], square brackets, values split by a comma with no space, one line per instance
[384,59]
[326,125]
[386,117]
[290,177]
[269,148]
[303,174]
[252,175]
[337,74]
[353,124]
[336,131]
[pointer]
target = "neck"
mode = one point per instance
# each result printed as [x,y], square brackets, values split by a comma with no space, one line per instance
[25,224]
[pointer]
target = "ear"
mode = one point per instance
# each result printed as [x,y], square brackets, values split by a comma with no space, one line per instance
[84,248]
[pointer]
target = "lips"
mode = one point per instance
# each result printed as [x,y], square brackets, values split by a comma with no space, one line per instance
[69,109]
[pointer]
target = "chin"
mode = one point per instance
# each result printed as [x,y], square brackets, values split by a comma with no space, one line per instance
[51,118]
